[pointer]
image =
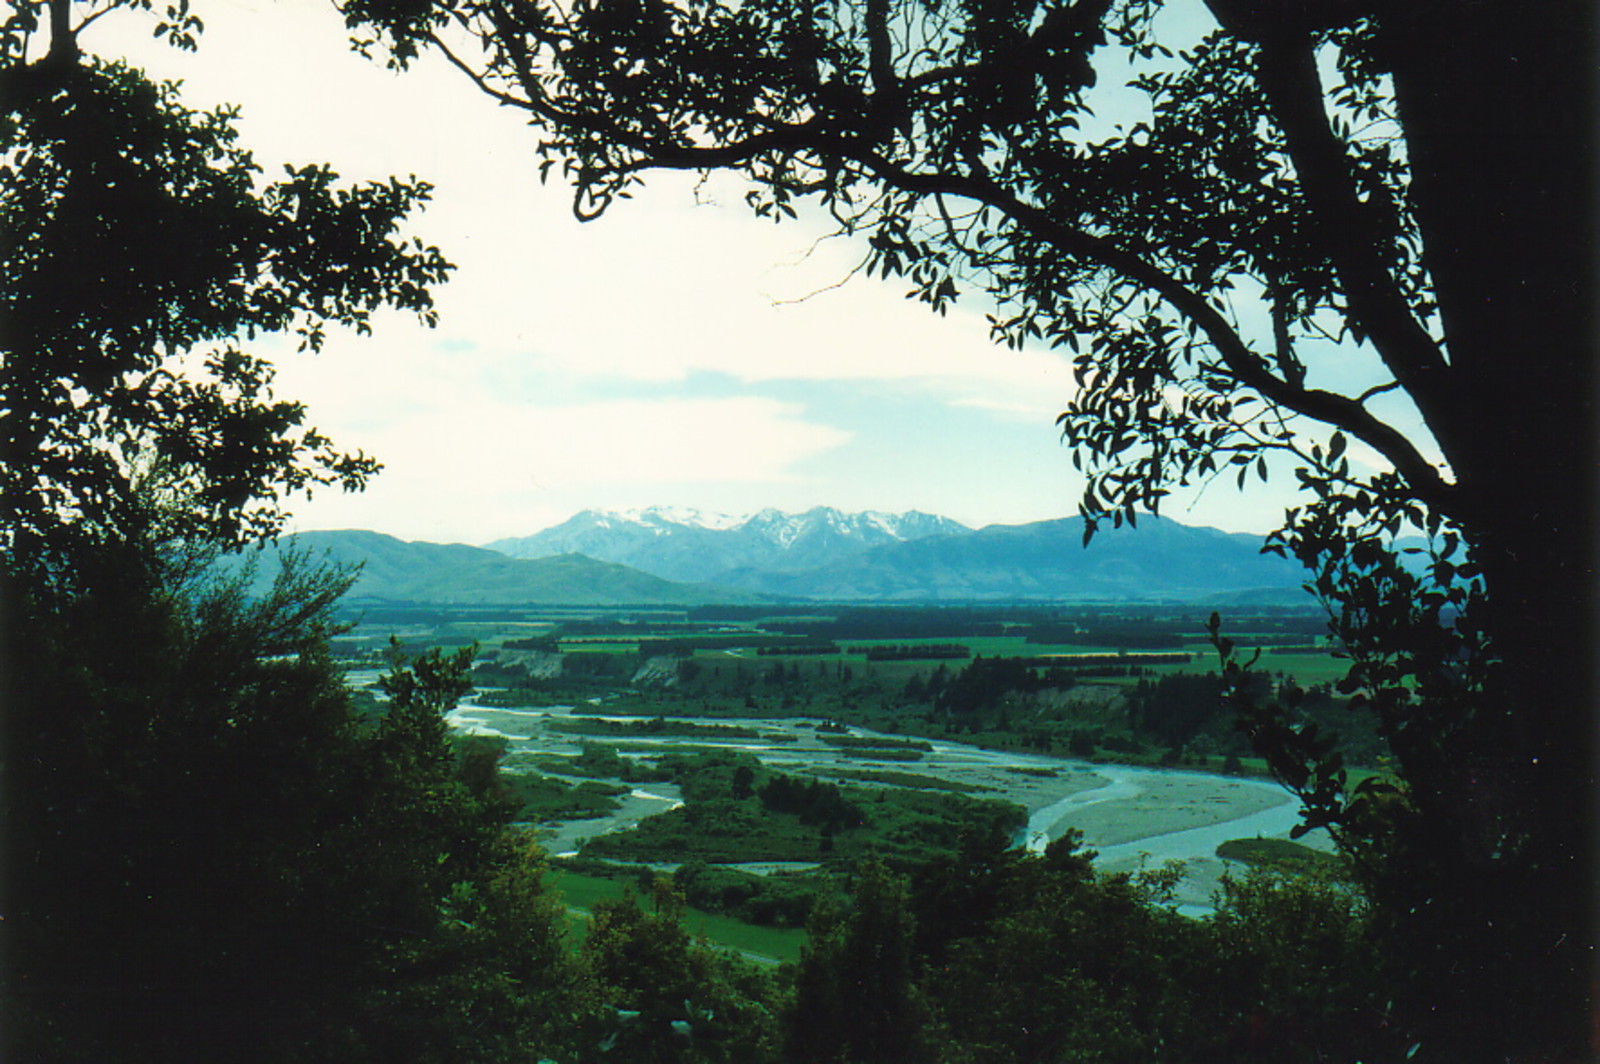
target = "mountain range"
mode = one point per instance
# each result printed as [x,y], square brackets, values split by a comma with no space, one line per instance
[688,545]
[675,557]
[1044,560]
[397,571]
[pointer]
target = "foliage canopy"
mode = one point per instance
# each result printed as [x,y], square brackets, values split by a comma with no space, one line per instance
[1287,258]
[208,853]
[144,249]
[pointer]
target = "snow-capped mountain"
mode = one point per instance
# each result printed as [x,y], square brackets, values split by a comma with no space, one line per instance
[823,555]
[1041,561]
[667,516]
[691,545]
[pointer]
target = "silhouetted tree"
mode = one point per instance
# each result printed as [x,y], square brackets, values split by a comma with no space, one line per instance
[1289,260]
[209,855]
[141,248]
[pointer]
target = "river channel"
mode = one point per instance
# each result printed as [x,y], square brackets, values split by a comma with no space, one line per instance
[1133,817]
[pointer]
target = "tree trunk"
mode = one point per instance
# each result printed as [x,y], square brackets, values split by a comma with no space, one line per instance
[1495,102]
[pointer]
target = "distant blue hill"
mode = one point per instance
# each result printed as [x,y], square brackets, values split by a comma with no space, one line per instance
[396,571]
[1161,560]
[1046,560]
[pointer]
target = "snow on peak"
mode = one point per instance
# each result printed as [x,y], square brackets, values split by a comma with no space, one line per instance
[681,515]
[866,527]
[778,526]
[888,524]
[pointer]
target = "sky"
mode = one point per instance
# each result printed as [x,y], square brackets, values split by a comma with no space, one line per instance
[676,352]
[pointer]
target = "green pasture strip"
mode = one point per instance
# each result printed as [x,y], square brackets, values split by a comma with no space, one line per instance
[776,943]
[751,642]
[992,646]
[794,618]
[583,892]
[1025,649]
[1304,669]
[1307,669]
[988,646]
[496,632]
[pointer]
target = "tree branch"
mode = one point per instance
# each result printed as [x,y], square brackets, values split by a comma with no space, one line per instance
[1287,73]
[478,79]
[1404,339]
[1332,408]
[1258,21]
[1242,363]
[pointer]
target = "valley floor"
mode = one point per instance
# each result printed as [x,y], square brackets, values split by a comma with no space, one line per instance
[1133,816]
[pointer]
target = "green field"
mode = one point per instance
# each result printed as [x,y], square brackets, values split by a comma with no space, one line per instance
[1304,668]
[1307,669]
[581,893]
[707,665]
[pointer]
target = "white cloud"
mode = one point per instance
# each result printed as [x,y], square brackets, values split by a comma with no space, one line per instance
[504,469]
[662,441]
[506,419]
[1042,410]
[663,289]
[678,280]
